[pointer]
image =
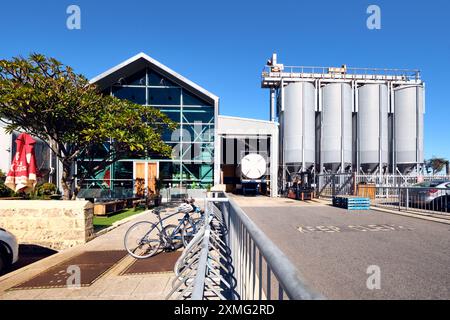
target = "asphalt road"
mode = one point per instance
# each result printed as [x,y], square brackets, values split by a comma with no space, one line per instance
[333,249]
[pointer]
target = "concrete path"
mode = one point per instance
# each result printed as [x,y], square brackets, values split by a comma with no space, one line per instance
[110,286]
[333,248]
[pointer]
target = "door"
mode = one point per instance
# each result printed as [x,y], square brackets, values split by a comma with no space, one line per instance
[151,178]
[145,175]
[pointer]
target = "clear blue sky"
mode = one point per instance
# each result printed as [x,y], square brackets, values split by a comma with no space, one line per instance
[223,45]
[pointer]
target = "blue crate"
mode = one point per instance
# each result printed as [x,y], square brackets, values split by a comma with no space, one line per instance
[351,203]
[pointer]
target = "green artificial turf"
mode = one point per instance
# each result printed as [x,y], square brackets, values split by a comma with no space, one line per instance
[105,222]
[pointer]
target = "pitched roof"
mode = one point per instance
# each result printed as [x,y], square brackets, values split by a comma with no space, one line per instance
[141,60]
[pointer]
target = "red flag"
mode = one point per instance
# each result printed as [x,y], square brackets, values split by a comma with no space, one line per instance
[22,175]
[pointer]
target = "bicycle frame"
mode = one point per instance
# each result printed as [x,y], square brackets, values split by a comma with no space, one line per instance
[181,222]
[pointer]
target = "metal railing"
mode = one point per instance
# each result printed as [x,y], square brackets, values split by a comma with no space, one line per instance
[330,185]
[262,270]
[357,73]
[396,180]
[334,184]
[231,258]
[413,199]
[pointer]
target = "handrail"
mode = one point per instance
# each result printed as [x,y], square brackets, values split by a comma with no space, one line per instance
[216,263]
[352,71]
[286,273]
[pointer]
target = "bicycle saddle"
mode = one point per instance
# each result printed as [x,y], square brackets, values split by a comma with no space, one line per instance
[185,208]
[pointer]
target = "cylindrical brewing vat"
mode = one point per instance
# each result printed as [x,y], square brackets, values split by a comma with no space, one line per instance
[336,140]
[299,125]
[408,114]
[372,130]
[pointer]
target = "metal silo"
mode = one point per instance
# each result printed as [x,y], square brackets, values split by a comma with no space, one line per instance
[336,140]
[299,126]
[408,114]
[373,142]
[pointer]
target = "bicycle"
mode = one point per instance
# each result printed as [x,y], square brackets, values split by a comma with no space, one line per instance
[144,239]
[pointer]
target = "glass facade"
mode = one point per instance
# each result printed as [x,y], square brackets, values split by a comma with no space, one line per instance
[192,162]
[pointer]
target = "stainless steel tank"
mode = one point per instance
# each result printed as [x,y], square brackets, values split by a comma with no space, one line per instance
[336,140]
[299,126]
[408,114]
[373,144]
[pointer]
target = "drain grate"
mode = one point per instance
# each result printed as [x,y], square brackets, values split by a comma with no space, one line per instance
[160,263]
[92,264]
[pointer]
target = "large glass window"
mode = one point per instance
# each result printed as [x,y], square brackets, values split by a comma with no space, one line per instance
[171,135]
[198,152]
[174,113]
[133,94]
[193,100]
[155,79]
[169,170]
[123,170]
[197,172]
[137,79]
[198,114]
[199,132]
[164,96]
[176,150]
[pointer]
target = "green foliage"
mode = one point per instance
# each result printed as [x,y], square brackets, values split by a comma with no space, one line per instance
[45,98]
[46,189]
[5,191]
[436,164]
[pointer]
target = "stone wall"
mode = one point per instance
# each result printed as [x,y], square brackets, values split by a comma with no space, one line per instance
[52,224]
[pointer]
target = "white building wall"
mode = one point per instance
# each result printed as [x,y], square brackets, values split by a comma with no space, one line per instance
[5,149]
[230,126]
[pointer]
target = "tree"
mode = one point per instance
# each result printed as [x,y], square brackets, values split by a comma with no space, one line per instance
[436,164]
[43,97]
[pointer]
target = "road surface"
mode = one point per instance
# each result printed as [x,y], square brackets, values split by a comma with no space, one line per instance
[337,251]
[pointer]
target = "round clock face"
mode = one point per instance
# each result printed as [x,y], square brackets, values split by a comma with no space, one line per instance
[253,166]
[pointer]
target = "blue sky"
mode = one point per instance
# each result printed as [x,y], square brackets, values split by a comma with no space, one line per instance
[223,45]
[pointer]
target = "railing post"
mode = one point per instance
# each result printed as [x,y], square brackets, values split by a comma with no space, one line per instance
[333,185]
[407,199]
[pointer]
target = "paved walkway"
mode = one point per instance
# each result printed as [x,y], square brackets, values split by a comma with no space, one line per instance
[110,286]
[333,248]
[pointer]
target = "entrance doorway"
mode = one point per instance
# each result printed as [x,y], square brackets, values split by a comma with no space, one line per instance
[145,175]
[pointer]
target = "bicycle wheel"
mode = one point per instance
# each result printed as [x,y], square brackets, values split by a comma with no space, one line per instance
[142,240]
[188,232]
[173,237]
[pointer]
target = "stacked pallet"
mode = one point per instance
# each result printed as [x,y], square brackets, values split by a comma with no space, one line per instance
[351,202]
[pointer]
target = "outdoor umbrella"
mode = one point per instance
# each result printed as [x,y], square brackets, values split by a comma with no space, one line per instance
[22,175]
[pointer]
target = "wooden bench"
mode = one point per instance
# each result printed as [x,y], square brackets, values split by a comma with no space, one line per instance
[105,208]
